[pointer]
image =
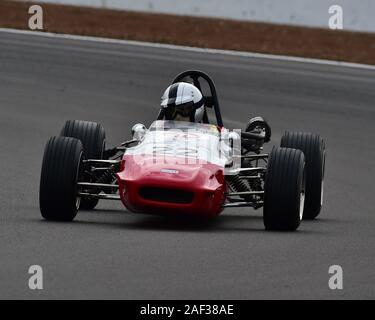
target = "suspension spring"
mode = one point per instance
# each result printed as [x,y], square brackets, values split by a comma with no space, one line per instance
[108,177]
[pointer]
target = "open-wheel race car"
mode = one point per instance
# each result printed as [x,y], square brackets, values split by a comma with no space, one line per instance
[185,168]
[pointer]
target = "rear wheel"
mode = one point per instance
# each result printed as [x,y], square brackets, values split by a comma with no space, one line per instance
[313,147]
[284,190]
[92,136]
[58,183]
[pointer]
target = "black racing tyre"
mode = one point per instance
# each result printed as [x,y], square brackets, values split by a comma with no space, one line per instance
[62,160]
[284,190]
[92,136]
[313,147]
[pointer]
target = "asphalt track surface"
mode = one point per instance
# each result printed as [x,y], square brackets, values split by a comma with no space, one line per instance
[111,253]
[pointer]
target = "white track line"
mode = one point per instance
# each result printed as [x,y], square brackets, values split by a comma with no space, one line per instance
[191,49]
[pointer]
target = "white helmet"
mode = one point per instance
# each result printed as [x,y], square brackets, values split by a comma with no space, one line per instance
[183,101]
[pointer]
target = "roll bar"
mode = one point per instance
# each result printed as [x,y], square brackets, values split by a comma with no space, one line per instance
[210,101]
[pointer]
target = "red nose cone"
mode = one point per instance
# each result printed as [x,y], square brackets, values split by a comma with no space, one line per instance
[171,185]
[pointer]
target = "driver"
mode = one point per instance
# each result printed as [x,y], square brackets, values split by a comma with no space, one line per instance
[183,101]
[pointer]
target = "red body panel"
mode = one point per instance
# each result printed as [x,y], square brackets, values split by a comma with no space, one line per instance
[204,182]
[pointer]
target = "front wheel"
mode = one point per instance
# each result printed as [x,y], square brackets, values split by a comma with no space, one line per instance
[284,189]
[62,160]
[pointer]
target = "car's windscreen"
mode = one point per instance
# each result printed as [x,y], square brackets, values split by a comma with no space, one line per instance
[191,127]
[178,139]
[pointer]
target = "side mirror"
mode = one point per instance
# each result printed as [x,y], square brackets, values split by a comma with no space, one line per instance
[139,131]
[259,125]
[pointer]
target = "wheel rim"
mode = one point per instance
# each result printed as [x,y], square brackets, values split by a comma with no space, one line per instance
[78,202]
[301,204]
[322,184]
[78,199]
